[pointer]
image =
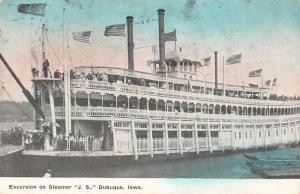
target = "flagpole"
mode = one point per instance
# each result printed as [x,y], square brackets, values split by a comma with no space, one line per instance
[223,77]
[262,82]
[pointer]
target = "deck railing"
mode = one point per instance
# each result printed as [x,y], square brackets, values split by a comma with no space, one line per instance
[202,142]
[149,91]
[173,144]
[158,144]
[107,112]
[123,146]
[188,143]
[142,145]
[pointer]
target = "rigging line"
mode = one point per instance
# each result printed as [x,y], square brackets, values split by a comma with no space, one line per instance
[69,49]
[51,46]
[31,45]
[10,97]
[38,51]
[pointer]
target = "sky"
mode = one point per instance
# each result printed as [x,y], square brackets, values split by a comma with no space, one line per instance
[266,32]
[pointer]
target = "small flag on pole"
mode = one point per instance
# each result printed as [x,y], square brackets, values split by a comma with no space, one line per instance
[115,30]
[33,9]
[268,83]
[274,82]
[234,59]
[255,73]
[170,36]
[82,36]
[206,61]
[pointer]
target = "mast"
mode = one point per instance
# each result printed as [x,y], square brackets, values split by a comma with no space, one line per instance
[43,42]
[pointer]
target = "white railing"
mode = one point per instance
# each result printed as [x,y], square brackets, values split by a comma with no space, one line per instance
[96,112]
[158,144]
[188,143]
[97,144]
[100,85]
[215,142]
[123,146]
[202,142]
[172,144]
[142,145]
[77,144]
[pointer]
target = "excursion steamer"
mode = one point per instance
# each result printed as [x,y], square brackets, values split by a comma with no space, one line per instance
[118,115]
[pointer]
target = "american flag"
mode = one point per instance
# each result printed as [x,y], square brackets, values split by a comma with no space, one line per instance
[255,73]
[268,83]
[234,59]
[115,30]
[82,36]
[206,61]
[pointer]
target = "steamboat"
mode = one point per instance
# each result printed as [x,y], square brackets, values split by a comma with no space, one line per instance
[119,115]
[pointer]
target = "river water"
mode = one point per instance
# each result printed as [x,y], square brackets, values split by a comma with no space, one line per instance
[229,166]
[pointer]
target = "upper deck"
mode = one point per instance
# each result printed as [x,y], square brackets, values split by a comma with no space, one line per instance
[122,81]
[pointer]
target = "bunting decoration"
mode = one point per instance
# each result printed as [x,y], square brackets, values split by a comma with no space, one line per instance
[206,61]
[255,73]
[274,82]
[82,36]
[37,9]
[170,36]
[115,30]
[234,59]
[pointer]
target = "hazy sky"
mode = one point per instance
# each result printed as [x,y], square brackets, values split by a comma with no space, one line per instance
[266,32]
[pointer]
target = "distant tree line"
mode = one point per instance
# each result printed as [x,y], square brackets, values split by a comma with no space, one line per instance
[10,111]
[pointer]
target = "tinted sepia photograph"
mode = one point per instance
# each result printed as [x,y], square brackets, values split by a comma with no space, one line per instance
[150,89]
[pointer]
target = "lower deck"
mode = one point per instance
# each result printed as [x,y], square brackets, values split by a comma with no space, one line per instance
[133,137]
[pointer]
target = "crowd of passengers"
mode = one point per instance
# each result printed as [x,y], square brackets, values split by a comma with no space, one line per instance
[92,76]
[11,137]
[35,140]
[75,142]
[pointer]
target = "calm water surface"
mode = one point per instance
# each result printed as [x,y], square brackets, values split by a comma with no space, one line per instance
[230,166]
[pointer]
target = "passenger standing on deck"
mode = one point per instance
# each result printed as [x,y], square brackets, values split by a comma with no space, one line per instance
[46,67]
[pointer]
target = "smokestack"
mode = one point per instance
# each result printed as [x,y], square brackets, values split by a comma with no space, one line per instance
[130,43]
[161,28]
[216,72]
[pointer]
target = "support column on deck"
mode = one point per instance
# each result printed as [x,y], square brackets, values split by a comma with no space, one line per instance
[52,110]
[289,130]
[232,138]
[166,140]
[196,137]
[244,136]
[134,142]
[150,138]
[114,134]
[221,136]
[264,135]
[273,135]
[256,134]
[209,139]
[179,137]
[280,132]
